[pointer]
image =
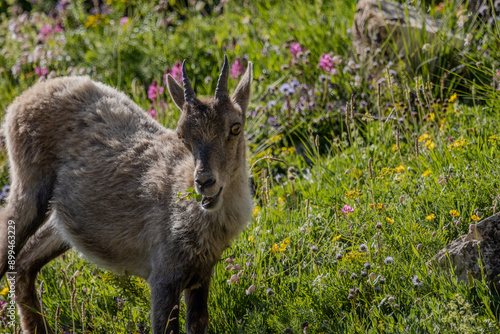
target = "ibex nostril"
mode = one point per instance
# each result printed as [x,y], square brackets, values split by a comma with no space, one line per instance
[206,183]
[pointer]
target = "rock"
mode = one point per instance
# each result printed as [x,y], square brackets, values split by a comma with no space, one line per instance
[463,254]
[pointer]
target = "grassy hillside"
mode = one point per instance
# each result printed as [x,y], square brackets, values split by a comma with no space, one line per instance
[361,175]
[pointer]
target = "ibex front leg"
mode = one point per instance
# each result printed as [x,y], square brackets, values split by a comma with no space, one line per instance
[197,311]
[165,295]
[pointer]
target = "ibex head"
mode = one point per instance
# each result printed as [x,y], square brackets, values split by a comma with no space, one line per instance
[212,130]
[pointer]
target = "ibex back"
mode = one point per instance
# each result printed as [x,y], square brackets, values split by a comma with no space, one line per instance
[91,170]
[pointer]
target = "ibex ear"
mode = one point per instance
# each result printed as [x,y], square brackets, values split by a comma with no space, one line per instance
[241,95]
[176,92]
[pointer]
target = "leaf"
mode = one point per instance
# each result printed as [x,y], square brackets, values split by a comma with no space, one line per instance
[198,197]
[190,190]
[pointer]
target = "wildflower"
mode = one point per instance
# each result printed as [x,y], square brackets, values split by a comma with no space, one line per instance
[295,83]
[389,220]
[269,291]
[353,193]
[295,48]
[367,266]
[94,20]
[152,112]
[326,62]
[255,210]
[394,148]
[389,260]
[430,217]
[431,117]
[124,21]
[391,300]
[41,71]
[454,213]
[363,248]
[272,120]
[347,209]
[474,218]
[154,91]
[45,31]
[4,291]
[287,89]
[452,98]
[250,289]
[251,239]
[363,273]
[426,173]
[416,281]
[274,248]
[399,169]
[430,144]
[423,137]
[338,256]
[16,69]
[237,69]
[175,72]
[426,47]
[354,276]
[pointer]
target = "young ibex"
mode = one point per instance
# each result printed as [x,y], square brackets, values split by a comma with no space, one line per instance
[91,170]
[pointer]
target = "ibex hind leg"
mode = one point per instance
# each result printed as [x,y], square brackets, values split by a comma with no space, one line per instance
[23,214]
[41,248]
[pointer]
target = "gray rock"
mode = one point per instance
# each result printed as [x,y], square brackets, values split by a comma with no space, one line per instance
[463,254]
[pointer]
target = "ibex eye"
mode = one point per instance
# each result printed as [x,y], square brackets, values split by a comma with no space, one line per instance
[236,128]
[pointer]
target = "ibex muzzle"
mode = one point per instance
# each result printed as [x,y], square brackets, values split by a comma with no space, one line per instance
[111,175]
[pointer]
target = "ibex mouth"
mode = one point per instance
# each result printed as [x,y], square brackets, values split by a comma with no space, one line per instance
[209,202]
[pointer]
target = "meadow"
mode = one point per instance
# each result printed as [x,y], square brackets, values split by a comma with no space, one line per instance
[361,173]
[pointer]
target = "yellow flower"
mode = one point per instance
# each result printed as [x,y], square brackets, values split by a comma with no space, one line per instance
[423,137]
[426,173]
[389,220]
[380,206]
[276,138]
[474,218]
[337,237]
[282,247]
[400,169]
[452,98]
[430,217]
[442,127]
[430,144]
[4,291]
[281,199]
[287,241]
[255,210]
[431,117]
[454,213]
[94,20]
[251,239]
[394,148]
[353,193]
[274,248]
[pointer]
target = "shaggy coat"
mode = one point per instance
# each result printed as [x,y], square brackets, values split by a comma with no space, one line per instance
[91,170]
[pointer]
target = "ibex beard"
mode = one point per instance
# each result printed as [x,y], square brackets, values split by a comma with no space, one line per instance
[91,170]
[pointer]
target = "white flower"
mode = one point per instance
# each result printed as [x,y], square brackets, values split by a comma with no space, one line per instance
[426,47]
[389,260]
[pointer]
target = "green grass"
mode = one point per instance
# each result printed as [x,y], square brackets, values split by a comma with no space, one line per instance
[304,256]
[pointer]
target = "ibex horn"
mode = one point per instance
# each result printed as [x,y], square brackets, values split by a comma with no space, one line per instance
[221,90]
[189,94]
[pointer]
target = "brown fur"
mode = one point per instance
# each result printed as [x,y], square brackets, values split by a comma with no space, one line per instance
[91,170]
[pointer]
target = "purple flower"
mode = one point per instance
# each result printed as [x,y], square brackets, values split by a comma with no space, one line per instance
[175,72]
[58,28]
[272,121]
[294,49]
[154,91]
[347,209]
[237,69]
[123,20]
[295,83]
[287,89]
[41,71]
[326,62]
[46,30]
[152,112]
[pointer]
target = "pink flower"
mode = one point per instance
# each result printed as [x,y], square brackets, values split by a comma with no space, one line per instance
[124,20]
[237,69]
[154,91]
[175,72]
[294,49]
[152,112]
[41,71]
[326,62]
[58,28]
[46,30]
[347,209]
